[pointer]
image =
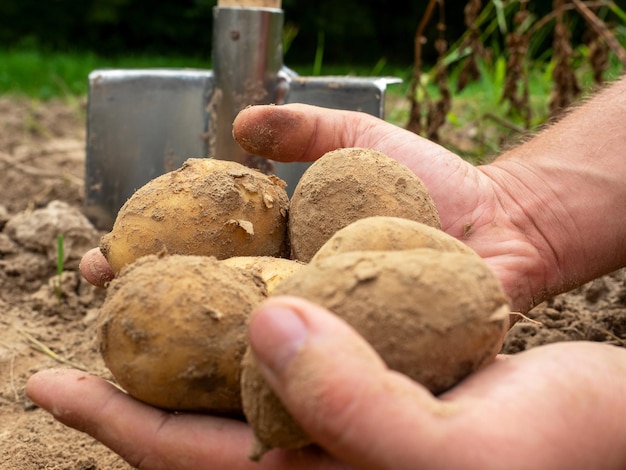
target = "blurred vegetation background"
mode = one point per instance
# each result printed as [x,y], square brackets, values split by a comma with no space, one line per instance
[487,70]
[355,31]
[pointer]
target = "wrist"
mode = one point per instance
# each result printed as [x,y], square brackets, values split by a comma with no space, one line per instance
[566,192]
[534,261]
[572,214]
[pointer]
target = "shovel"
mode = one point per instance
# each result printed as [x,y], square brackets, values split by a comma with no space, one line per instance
[145,122]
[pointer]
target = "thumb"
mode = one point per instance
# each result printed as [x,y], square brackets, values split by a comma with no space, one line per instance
[300,132]
[339,390]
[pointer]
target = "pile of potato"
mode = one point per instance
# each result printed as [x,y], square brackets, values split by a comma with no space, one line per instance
[197,249]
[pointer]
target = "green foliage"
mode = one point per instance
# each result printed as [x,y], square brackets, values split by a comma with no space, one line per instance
[60,254]
[355,31]
[620,12]
[44,75]
[319,55]
[481,122]
[58,287]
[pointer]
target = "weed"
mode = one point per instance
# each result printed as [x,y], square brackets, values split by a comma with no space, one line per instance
[512,89]
[290,32]
[58,285]
[43,76]
[319,54]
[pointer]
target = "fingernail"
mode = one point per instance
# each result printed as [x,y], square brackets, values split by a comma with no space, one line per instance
[276,334]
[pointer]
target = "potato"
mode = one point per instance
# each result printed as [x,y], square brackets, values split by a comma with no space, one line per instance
[432,315]
[349,184]
[380,233]
[269,269]
[276,428]
[172,331]
[207,207]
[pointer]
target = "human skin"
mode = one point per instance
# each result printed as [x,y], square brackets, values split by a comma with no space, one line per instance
[546,216]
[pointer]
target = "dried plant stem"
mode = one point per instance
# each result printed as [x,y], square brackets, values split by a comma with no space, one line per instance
[516,86]
[32,171]
[415,113]
[598,25]
[566,87]
[505,123]
[438,110]
[550,16]
[39,346]
[470,71]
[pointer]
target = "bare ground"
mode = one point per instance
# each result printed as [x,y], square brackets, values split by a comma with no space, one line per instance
[41,194]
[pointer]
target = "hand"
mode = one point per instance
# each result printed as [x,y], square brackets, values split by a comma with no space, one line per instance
[556,406]
[473,202]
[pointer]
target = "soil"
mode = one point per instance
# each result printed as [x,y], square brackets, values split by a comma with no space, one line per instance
[43,325]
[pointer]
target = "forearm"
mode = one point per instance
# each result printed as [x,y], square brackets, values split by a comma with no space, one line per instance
[569,184]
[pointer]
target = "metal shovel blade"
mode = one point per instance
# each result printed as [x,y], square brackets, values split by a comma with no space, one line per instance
[143,123]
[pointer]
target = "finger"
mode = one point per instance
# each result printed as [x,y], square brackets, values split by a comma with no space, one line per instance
[150,438]
[95,268]
[298,132]
[340,391]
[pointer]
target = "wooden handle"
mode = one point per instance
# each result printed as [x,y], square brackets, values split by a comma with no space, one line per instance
[249,3]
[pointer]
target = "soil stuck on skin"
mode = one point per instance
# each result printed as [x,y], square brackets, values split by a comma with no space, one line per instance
[42,160]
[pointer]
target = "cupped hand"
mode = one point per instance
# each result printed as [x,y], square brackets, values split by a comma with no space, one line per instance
[555,406]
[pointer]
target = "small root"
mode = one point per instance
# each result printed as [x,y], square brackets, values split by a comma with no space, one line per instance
[614,337]
[524,317]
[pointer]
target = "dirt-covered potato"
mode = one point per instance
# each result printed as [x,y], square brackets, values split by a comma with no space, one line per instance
[276,429]
[172,331]
[271,270]
[381,233]
[349,184]
[432,315]
[207,207]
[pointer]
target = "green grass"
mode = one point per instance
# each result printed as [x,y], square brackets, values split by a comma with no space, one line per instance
[60,268]
[43,76]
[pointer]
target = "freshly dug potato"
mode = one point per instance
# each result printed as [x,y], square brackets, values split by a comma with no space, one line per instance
[275,429]
[172,331]
[207,207]
[381,233]
[271,270]
[434,316]
[349,184]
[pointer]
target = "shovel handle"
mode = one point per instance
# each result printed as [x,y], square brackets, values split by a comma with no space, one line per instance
[249,3]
